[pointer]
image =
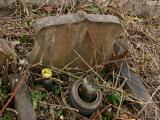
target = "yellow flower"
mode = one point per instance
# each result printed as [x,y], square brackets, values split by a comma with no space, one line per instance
[46,73]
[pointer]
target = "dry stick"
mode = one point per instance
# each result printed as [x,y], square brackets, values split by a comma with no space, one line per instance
[88,65]
[19,84]
[60,106]
[104,109]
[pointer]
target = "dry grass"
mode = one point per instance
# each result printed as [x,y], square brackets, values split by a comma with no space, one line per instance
[144,57]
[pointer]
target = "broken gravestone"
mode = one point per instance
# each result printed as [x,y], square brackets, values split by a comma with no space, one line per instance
[7,52]
[5,3]
[54,2]
[138,89]
[22,100]
[145,8]
[75,40]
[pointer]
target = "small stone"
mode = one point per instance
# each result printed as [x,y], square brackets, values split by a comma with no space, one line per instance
[157,77]
[62,117]
[48,84]
[5,3]
[23,62]
[17,80]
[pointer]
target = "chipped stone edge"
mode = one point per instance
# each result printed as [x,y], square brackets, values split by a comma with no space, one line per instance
[74,18]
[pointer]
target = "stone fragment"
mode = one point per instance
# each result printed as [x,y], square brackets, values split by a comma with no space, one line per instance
[58,39]
[5,3]
[22,101]
[6,52]
[138,89]
[121,48]
[145,8]
[54,2]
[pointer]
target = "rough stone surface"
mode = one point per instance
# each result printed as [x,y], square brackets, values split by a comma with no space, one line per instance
[91,36]
[6,52]
[121,48]
[138,89]
[22,101]
[55,2]
[5,3]
[144,8]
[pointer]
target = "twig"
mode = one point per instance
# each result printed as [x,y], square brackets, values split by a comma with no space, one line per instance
[13,110]
[89,66]
[54,105]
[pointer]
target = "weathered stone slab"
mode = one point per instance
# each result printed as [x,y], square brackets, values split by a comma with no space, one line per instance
[138,89]
[144,8]
[5,3]
[54,2]
[91,36]
[22,101]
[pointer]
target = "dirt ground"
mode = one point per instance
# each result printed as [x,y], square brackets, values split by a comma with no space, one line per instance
[141,33]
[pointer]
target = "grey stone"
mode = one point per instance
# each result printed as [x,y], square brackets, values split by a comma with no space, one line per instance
[55,2]
[7,52]
[5,3]
[22,100]
[144,8]
[138,89]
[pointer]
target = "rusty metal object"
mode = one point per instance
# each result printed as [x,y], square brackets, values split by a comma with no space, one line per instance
[84,105]
[22,101]
[6,52]
[92,36]
[138,89]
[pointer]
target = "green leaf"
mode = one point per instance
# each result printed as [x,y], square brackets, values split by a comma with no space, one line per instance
[37,96]
[108,116]
[114,99]
[56,90]
[7,116]
[35,104]
[59,113]
[147,57]
[22,39]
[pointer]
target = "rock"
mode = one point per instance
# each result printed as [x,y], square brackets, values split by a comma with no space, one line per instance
[6,52]
[145,8]
[157,77]
[54,2]
[22,100]
[138,89]
[5,3]
[121,48]
[58,39]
